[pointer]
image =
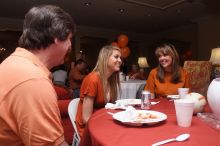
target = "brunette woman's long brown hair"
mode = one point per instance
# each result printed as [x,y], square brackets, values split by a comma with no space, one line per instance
[169,49]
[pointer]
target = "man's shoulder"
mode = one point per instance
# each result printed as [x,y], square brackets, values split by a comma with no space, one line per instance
[13,73]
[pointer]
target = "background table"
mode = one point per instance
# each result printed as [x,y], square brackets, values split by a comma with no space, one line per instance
[129,88]
[104,130]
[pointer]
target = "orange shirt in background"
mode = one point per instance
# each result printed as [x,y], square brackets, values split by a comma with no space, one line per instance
[166,88]
[93,88]
[75,78]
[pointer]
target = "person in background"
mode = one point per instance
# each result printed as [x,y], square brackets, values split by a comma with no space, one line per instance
[143,75]
[29,114]
[60,73]
[100,86]
[135,73]
[76,76]
[168,76]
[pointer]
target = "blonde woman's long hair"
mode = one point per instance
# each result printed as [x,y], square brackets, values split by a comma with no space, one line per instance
[101,68]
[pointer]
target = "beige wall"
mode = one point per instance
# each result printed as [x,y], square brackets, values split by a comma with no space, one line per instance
[184,33]
[208,36]
[203,35]
[111,35]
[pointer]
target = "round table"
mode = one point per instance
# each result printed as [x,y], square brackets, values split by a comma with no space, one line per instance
[102,129]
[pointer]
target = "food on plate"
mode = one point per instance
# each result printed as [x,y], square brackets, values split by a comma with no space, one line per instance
[135,117]
[144,116]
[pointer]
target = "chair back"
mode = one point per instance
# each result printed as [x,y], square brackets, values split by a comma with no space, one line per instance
[200,74]
[140,89]
[72,110]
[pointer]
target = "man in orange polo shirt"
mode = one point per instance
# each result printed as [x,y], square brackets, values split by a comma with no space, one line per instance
[29,113]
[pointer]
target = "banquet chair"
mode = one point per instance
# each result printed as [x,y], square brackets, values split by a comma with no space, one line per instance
[72,110]
[140,89]
[200,74]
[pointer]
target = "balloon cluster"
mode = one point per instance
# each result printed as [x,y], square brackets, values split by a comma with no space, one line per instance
[122,44]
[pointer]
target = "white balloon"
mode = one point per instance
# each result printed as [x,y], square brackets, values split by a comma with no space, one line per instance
[199,100]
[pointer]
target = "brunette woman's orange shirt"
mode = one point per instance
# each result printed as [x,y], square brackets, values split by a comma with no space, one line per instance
[93,88]
[167,87]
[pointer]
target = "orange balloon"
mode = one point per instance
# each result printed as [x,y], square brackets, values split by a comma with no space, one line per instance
[115,44]
[122,40]
[125,52]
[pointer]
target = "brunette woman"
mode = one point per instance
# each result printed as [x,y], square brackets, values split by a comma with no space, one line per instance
[168,76]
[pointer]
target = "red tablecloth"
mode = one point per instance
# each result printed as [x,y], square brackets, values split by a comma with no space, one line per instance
[102,129]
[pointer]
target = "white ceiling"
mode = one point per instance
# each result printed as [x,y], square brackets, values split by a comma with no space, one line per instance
[143,16]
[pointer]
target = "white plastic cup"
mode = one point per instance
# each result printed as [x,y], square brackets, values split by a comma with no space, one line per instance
[183,92]
[184,112]
[121,76]
[127,78]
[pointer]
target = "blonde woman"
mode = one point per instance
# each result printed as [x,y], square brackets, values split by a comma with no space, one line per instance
[169,75]
[100,86]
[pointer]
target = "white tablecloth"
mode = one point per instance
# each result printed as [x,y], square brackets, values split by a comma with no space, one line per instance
[129,88]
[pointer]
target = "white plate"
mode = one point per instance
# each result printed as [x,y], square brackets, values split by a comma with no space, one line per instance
[140,117]
[173,96]
[115,106]
[129,101]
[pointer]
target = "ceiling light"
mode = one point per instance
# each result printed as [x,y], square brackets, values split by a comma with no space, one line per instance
[121,10]
[2,50]
[87,3]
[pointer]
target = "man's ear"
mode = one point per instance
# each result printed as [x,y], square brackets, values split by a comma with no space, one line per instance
[56,40]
